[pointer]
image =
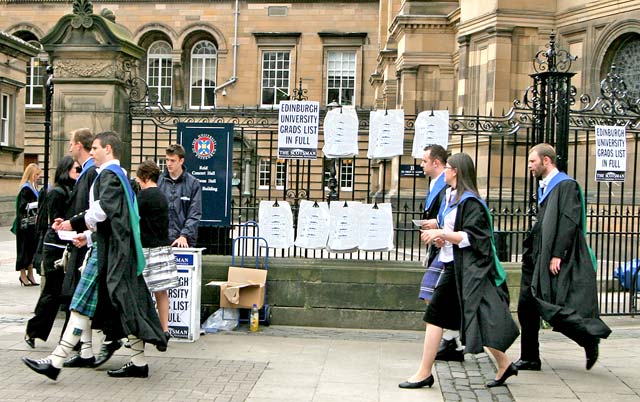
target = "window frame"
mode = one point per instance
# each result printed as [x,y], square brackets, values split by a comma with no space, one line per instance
[6,123]
[346,173]
[264,174]
[263,52]
[202,77]
[161,59]
[281,179]
[342,52]
[30,87]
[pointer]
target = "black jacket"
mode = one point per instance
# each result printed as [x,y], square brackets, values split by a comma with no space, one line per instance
[185,205]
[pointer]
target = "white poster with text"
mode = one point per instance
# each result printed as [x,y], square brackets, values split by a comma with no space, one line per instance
[386,133]
[298,123]
[432,127]
[611,153]
[341,133]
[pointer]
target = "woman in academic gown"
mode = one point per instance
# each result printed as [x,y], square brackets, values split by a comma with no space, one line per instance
[472,292]
[26,243]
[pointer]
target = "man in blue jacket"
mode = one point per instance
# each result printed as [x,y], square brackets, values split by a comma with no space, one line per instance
[184,194]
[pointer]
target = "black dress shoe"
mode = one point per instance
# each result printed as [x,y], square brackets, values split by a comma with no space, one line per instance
[79,361]
[106,351]
[445,345]
[511,370]
[531,365]
[592,355]
[427,382]
[43,366]
[130,370]
[448,351]
[30,341]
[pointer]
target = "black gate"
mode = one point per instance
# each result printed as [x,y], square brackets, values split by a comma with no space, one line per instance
[498,144]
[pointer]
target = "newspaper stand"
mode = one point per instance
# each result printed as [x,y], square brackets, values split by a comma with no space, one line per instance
[240,245]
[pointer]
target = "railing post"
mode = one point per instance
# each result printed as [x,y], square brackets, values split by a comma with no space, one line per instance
[48,99]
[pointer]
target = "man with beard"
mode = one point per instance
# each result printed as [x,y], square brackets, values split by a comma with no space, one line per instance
[558,268]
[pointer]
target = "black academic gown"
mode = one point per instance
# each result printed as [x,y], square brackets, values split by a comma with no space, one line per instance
[78,205]
[124,304]
[569,300]
[26,239]
[484,307]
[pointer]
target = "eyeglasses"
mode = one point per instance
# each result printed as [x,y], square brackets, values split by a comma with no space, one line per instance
[448,167]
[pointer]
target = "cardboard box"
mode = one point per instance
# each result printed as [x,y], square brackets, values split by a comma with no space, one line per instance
[244,288]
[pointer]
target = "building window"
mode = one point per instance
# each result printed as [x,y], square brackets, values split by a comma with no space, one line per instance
[341,77]
[281,174]
[275,77]
[264,174]
[627,62]
[204,58]
[35,83]
[5,118]
[346,175]
[160,72]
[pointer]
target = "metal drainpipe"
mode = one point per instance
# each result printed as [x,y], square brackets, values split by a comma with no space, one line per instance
[234,76]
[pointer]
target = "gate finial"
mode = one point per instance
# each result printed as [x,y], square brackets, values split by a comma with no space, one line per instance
[552,59]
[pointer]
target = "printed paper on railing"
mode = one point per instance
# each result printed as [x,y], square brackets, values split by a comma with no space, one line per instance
[432,127]
[313,225]
[386,134]
[341,133]
[275,222]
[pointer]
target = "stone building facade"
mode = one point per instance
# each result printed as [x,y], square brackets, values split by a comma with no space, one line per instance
[466,56]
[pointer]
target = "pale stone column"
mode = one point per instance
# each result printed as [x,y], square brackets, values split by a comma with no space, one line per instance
[94,60]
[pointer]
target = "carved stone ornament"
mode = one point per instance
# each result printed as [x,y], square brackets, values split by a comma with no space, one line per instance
[74,68]
[82,10]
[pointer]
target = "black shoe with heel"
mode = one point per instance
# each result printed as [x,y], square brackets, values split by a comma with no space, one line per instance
[32,281]
[511,370]
[427,382]
[27,283]
[30,341]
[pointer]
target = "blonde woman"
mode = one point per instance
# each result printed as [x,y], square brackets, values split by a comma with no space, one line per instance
[24,226]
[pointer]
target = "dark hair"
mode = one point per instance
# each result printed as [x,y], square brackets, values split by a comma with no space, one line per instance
[544,150]
[437,152]
[111,138]
[61,177]
[466,174]
[176,149]
[83,136]
[148,170]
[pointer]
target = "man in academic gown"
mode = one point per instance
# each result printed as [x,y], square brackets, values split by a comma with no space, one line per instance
[434,159]
[112,289]
[558,268]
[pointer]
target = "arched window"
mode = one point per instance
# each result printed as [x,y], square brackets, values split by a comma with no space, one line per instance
[627,62]
[35,79]
[204,63]
[159,72]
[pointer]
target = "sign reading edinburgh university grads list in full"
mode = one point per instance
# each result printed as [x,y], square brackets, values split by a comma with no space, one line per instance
[209,158]
[611,153]
[298,129]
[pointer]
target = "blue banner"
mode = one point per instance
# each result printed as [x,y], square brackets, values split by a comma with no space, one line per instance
[209,158]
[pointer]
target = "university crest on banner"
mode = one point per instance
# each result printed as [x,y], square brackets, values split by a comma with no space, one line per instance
[204,146]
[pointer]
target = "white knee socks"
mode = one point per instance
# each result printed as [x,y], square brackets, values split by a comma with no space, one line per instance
[78,324]
[137,351]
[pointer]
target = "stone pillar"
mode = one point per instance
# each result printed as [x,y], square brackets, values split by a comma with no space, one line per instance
[93,59]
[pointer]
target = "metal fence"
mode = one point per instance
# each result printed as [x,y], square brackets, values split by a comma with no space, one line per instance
[498,144]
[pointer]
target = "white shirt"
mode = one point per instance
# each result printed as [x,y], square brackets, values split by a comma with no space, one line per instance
[95,213]
[545,182]
[446,252]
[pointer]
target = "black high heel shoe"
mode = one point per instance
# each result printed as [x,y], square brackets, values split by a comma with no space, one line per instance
[511,370]
[27,283]
[427,382]
[33,282]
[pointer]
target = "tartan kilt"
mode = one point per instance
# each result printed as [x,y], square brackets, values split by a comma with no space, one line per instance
[431,279]
[161,271]
[85,297]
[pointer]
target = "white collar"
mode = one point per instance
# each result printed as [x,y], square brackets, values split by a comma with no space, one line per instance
[545,182]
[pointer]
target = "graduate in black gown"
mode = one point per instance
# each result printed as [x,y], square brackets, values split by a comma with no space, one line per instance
[558,268]
[472,292]
[24,229]
[112,289]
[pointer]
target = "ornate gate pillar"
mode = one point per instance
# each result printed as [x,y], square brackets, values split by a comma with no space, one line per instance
[94,60]
[551,96]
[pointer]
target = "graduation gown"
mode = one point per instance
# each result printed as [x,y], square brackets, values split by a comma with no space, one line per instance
[26,238]
[569,300]
[124,304]
[78,205]
[432,203]
[484,306]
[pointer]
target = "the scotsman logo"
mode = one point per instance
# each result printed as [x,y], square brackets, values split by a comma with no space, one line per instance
[204,146]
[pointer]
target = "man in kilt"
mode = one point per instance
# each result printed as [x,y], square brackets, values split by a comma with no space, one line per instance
[112,290]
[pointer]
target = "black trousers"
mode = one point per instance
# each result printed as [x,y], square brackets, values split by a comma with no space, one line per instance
[47,307]
[529,319]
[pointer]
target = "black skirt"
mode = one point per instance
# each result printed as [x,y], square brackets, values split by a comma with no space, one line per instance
[444,309]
